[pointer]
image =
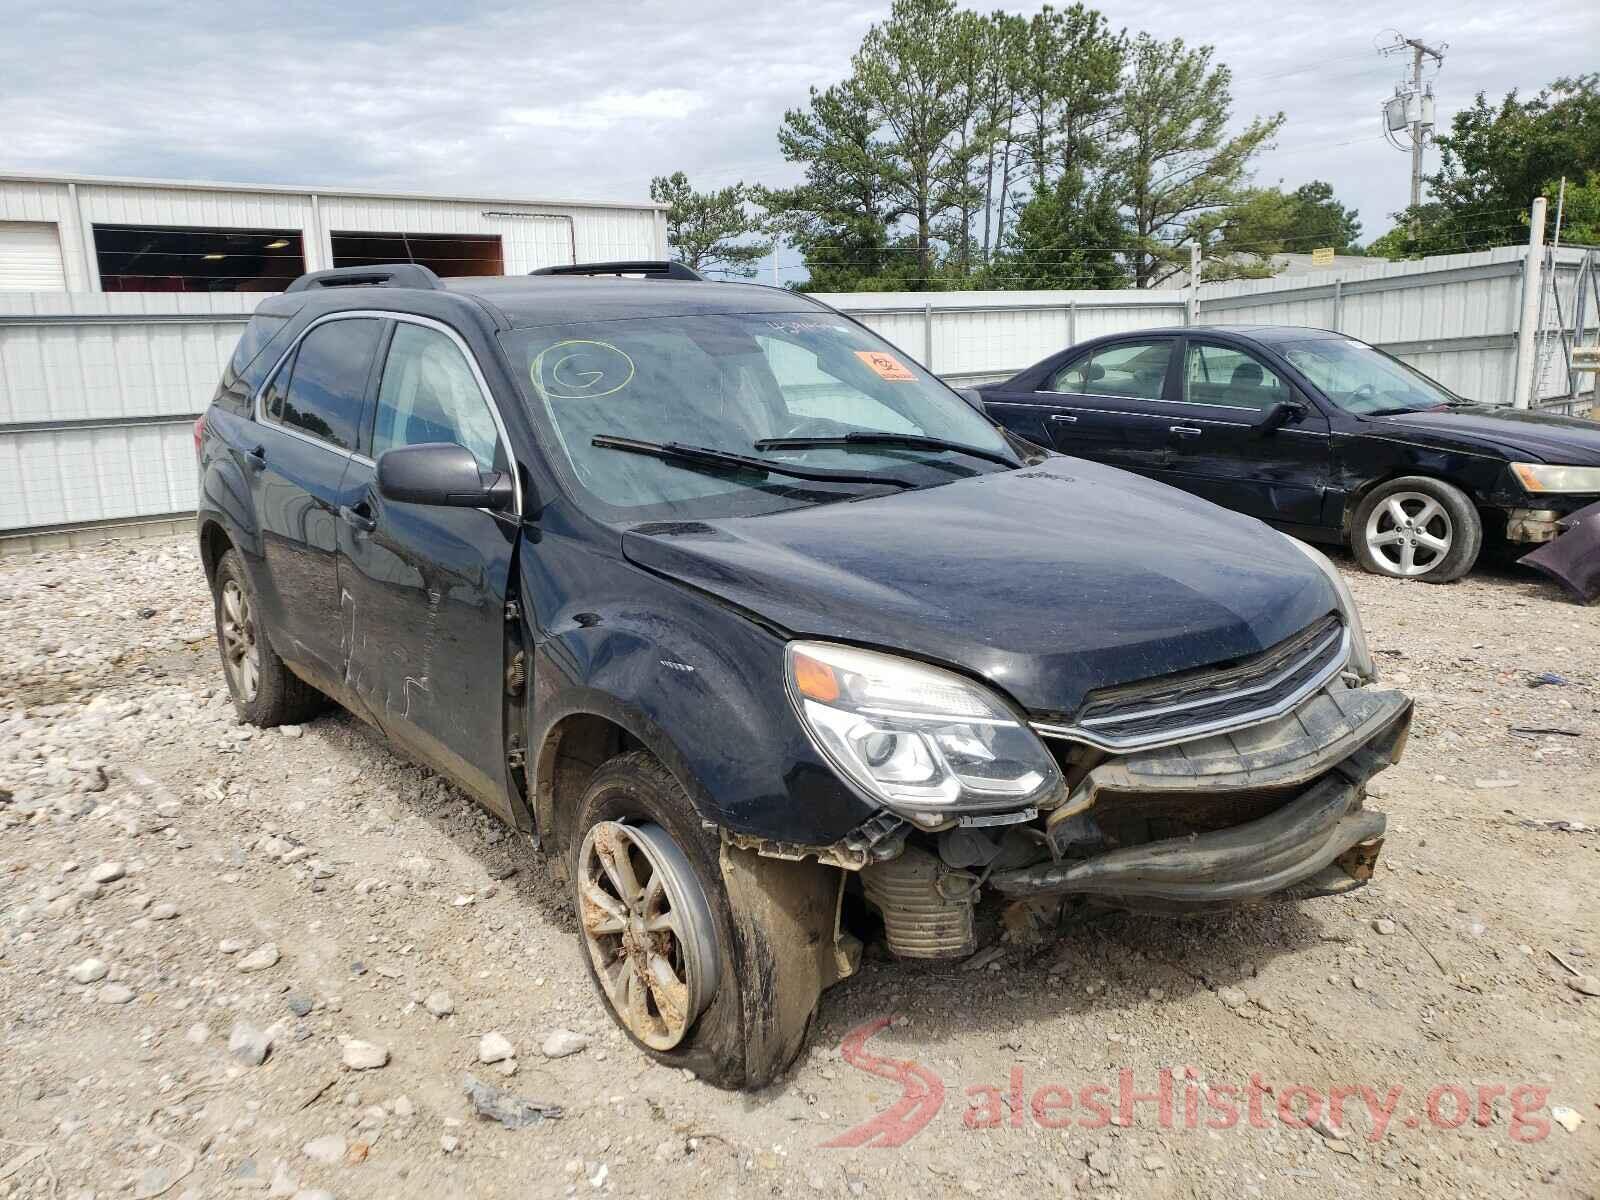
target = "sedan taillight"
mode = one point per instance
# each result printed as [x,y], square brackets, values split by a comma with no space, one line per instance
[199,432]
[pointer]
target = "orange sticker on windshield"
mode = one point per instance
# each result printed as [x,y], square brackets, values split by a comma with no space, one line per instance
[887,366]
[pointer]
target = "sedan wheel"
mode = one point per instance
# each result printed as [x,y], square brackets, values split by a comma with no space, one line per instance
[241,656]
[1409,534]
[648,930]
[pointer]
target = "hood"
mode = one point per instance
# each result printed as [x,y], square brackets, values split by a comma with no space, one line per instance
[1519,434]
[1048,581]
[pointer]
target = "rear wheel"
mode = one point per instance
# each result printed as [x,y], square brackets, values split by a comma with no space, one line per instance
[1417,528]
[264,691]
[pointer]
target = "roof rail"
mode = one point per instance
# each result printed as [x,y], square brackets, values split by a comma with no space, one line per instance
[649,268]
[402,275]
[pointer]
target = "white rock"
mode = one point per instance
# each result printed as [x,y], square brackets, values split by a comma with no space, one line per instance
[197,1033]
[230,946]
[1232,997]
[403,1107]
[261,958]
[163,912]
[313,1194]
[1569,1119]
[364,1056]
[562,1042]
[329,1149]
[248,1044]
[290,731]
[439,1003]
[108,872]
[493,1047]
[1384,926]
[90,970]
[116,993]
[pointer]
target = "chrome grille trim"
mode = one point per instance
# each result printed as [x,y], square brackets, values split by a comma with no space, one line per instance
[1094,731]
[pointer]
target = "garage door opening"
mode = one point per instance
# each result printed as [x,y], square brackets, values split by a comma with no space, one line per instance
[442,253]
[139,258]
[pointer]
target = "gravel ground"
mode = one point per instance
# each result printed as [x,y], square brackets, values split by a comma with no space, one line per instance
[267,961]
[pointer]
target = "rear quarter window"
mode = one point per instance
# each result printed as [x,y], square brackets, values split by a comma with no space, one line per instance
[249,362]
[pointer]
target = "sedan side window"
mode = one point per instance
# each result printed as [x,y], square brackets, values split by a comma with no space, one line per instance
[429,394]
[1229,378]
[328,381]
[1135,370]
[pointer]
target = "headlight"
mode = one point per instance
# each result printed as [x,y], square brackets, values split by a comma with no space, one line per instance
[1360,656]
[924,742]
[1550,477]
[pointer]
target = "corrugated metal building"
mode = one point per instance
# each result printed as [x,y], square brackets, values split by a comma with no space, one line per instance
[121,299]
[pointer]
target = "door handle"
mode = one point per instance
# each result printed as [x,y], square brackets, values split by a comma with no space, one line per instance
[360,516]
[256,459]
[1186,430]
[1062,417]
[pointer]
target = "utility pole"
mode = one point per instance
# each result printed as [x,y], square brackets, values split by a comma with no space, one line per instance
[1411,109]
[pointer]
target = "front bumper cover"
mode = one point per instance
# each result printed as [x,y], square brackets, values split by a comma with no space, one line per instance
[1321,841]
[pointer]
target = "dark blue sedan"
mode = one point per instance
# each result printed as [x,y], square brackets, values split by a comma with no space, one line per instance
[1319,434]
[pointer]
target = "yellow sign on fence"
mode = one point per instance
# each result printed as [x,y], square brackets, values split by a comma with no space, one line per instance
[1322,256]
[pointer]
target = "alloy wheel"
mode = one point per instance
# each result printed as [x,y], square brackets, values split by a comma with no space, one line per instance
[1409,534]
[648,929]
[241,655]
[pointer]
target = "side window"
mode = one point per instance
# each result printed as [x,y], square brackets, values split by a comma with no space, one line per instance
[328,381]
[1137,370]
[429,394]
[1223,376]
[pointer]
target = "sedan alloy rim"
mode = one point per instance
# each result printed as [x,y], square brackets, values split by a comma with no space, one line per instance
[241,656]
[648,929]
[1409,534]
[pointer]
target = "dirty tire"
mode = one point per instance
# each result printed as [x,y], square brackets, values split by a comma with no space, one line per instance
[1453,517]
[279,696]
[635,788]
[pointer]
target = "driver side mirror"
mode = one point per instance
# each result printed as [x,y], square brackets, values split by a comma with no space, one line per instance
[441,474]
[1279,415]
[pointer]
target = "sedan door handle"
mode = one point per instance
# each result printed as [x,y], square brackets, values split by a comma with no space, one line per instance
[1062,417]
[1186,430]
[256,459]
[360,516]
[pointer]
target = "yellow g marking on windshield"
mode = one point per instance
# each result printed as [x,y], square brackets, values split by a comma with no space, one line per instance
[580,369]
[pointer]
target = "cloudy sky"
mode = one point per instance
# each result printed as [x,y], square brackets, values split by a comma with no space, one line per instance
[554,98]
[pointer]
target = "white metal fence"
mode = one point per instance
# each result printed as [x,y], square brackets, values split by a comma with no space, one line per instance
[98,390]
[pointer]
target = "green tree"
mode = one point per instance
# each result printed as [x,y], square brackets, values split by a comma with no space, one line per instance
[1176,164]
[838,218]
[1068,69]
[1320,220]
[711,231]
[909,68]
[1241,240]
[1068,236]
[1580,210]
[1497,158]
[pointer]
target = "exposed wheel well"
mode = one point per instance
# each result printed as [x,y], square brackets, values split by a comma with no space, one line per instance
[214,543]
[574,749]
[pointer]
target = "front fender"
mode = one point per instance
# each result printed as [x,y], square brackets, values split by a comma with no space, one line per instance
[701,687]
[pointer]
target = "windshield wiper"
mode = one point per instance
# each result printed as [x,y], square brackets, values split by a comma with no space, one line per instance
[723,460]
[911,441]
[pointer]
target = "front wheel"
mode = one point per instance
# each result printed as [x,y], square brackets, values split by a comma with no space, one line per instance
[1417,527]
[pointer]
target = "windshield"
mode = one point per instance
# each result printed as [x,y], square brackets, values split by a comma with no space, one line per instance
[727,382]
[1362,379]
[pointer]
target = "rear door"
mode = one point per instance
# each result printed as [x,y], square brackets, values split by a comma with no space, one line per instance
[308,419]
[1218,450]
[424,588]
[1106,404]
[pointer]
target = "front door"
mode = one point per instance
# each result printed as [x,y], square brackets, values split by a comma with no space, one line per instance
[423,589]
[306,427]
[1219,451]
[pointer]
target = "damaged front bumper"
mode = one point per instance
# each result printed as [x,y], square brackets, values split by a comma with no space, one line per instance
[1309,770]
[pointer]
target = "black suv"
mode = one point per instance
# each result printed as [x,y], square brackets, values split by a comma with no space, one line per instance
[770,639]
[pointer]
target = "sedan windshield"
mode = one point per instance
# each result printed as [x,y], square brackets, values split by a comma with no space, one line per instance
[1362,379]
[742,384]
